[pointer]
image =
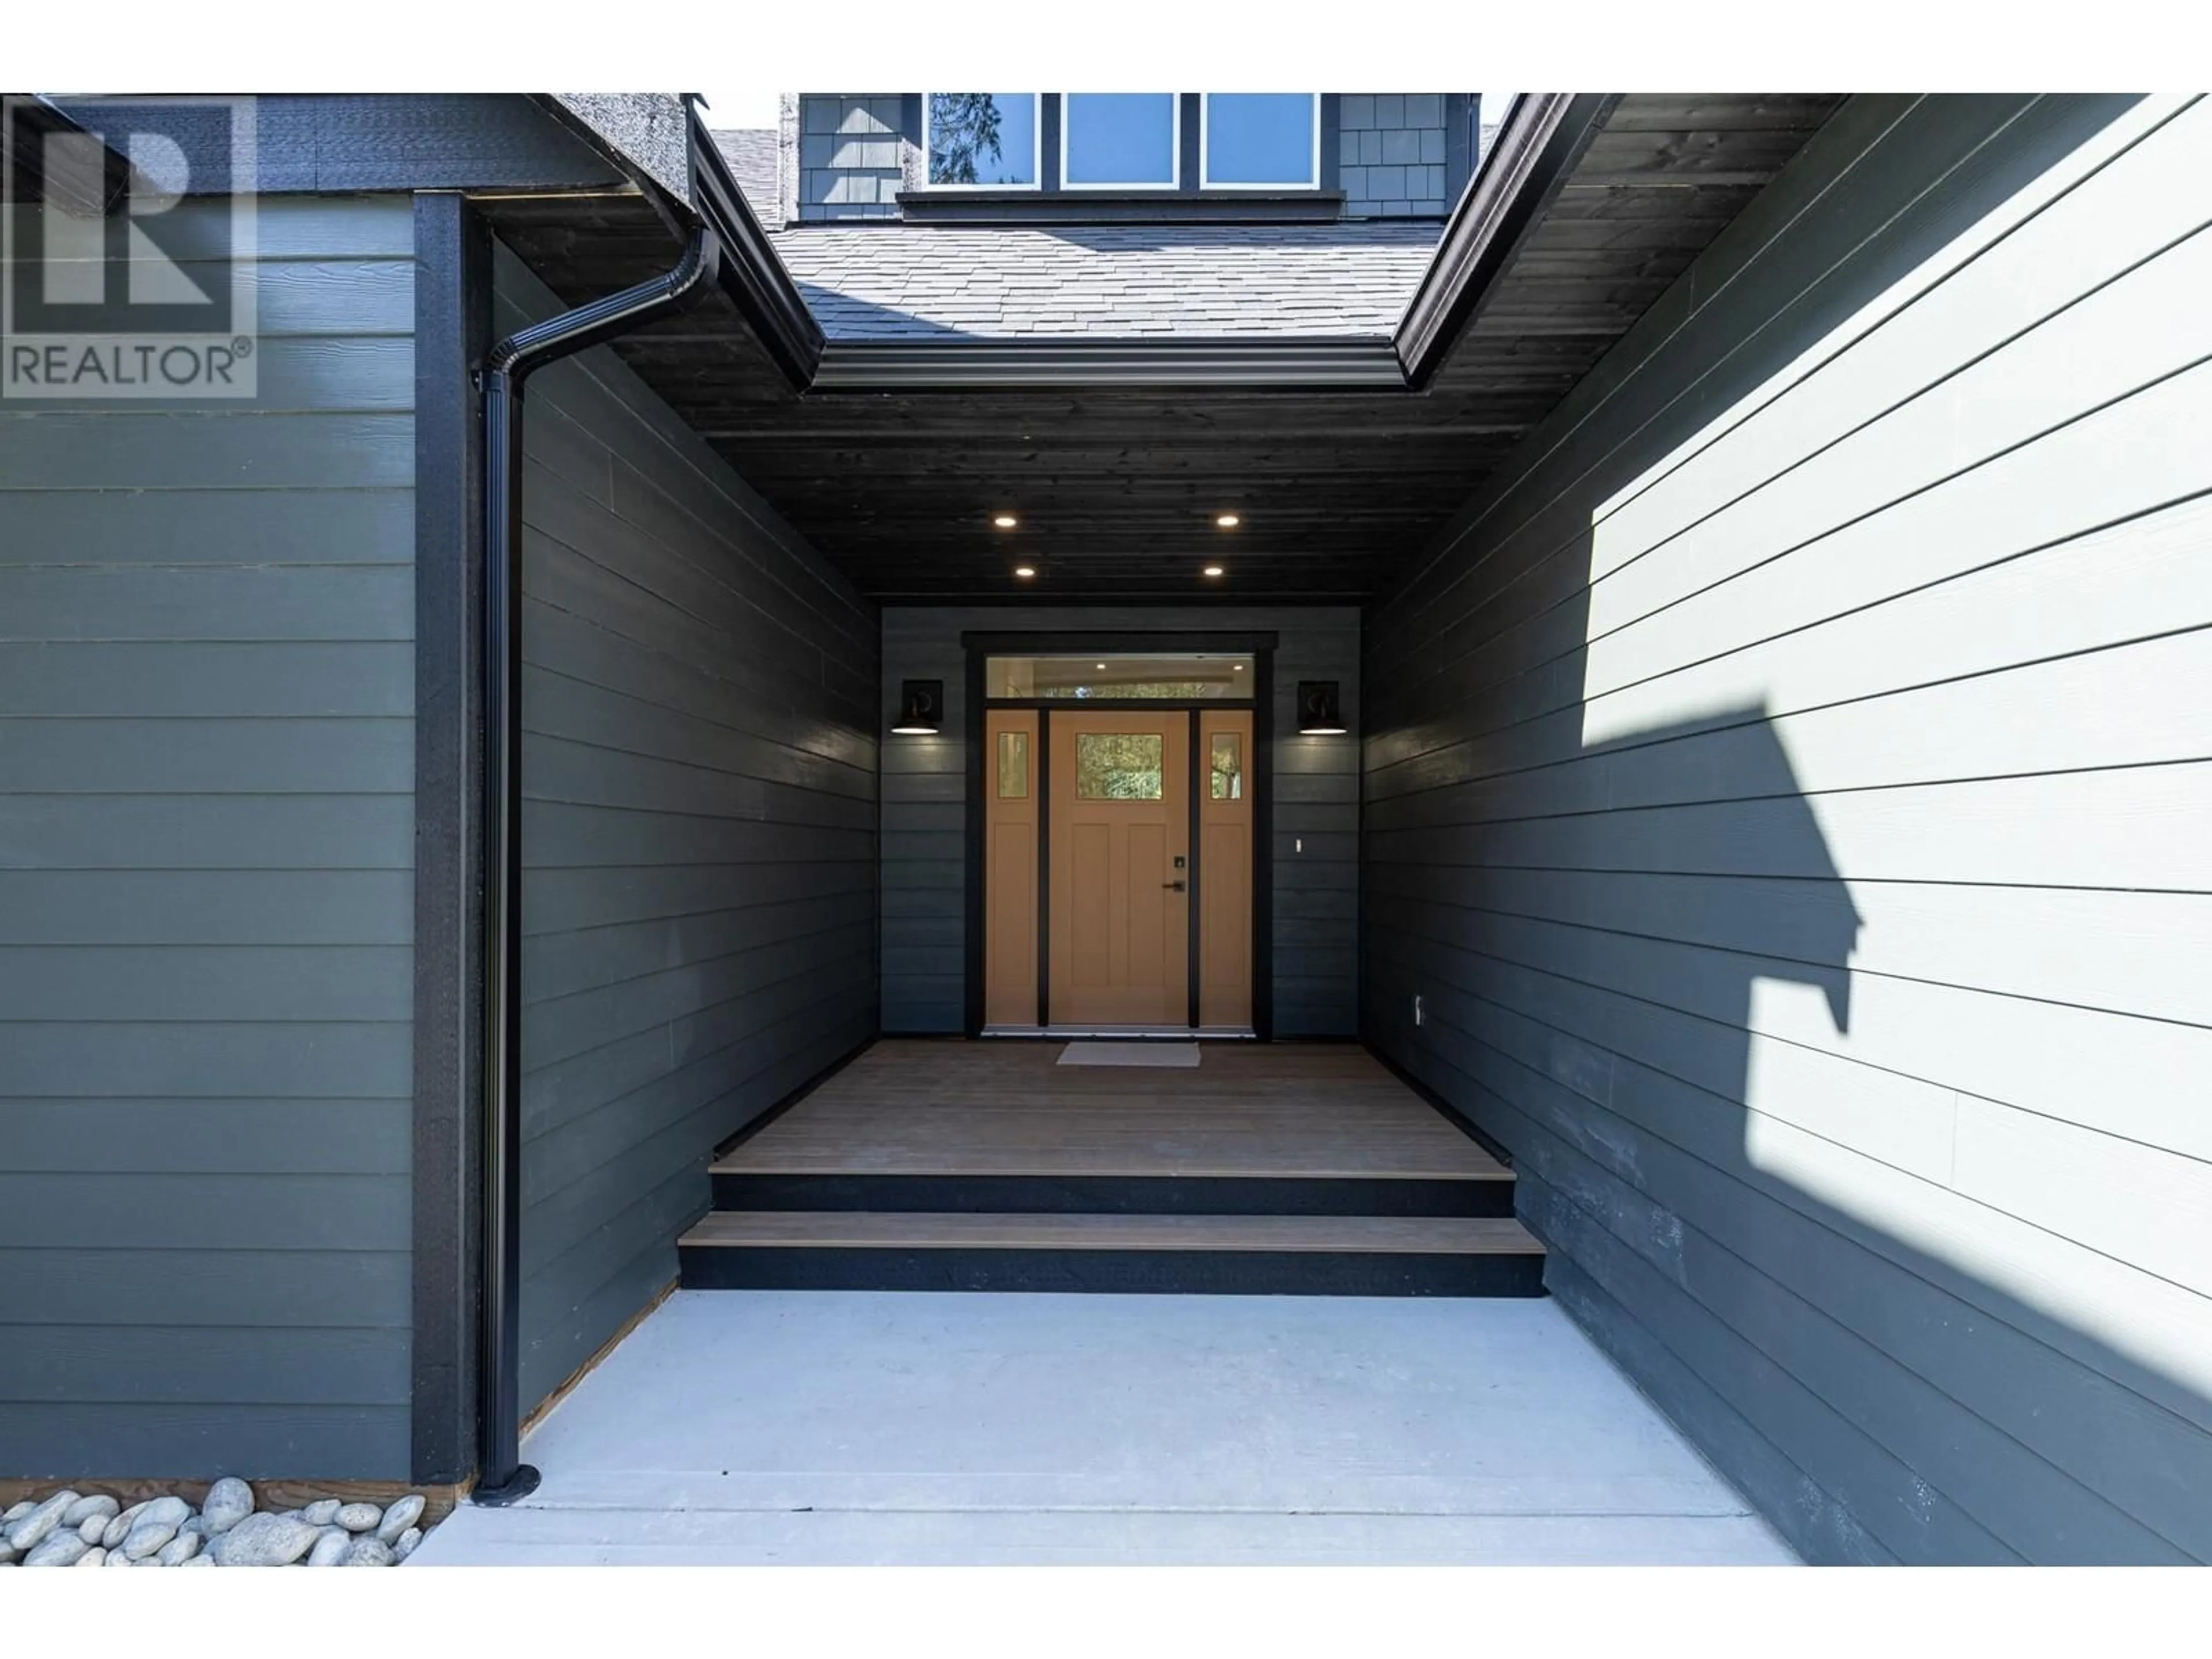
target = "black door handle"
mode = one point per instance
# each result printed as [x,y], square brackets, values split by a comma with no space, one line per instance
[1173,886]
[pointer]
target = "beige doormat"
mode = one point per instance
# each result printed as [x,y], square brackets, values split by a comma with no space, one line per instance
[1130,1053]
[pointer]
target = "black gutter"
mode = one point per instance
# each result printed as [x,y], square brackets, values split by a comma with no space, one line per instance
[753,276]
[1543,135]
[1278,364]
[503,1478]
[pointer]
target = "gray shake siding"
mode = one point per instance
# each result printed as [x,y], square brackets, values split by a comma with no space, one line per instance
[206,894]
[700,830]
[1316,808]
[1394,153]
[852,153]
[1786,792]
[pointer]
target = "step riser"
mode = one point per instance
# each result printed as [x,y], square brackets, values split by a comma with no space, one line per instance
[1189,1273]
[1113,1194]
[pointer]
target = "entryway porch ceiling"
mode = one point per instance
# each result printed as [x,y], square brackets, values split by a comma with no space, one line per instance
[1342,458]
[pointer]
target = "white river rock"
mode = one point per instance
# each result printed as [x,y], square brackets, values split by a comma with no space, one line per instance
[28,1532]
[400,1517]
[62,1549]
[264,1540]
[85,1508]
[229,1501]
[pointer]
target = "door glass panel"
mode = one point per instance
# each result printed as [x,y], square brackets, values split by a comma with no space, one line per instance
[1118,765]
[1228,773]
[1013,766]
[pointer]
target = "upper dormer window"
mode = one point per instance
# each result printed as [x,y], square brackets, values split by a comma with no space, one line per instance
[981,140]
[1120,140]
[1260,141]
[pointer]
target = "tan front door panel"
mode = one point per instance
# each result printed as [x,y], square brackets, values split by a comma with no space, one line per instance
[1119,868]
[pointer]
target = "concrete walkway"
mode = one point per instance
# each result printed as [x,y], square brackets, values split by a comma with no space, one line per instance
[859,1428]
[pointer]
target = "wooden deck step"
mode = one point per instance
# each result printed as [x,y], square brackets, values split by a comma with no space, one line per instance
[1266,1255]
[1095,1191]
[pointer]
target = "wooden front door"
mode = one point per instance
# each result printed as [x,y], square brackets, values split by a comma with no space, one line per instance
[1120,864]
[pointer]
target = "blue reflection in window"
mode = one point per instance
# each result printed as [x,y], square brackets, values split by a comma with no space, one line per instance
[1260,138]
[982,138]
[1119,138]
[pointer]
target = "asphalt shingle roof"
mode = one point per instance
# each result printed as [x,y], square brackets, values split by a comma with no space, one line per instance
[750,152]
[899,282]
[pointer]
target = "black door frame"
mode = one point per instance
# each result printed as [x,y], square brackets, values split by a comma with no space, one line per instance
[979,645]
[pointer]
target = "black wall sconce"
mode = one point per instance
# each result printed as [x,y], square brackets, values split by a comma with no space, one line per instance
[921,709]
[1320,714]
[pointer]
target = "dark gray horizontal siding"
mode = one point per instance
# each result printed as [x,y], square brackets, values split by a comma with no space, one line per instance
[206,857]
[1785,789]
[1316,806]
[699,833]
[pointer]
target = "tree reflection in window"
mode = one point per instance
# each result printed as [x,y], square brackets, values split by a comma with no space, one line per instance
[1118,765]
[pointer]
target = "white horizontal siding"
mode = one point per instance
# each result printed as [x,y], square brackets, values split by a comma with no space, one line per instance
[1787,783]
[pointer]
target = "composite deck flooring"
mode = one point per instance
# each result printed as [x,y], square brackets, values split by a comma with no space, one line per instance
[1248,1110]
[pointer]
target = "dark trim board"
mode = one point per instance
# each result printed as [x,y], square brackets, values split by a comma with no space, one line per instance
[1045,872]
[1263,845]
[1138,1273]
[1074,641]
[1059,1195]
[1450,1113]
[765,1118]
[1195,909]
[1086,207]
[452,322]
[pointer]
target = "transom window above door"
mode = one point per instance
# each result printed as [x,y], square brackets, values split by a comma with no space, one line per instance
[1120,140]
[1158,677]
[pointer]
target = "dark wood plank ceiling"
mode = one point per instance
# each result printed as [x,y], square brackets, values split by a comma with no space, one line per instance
[1117,491]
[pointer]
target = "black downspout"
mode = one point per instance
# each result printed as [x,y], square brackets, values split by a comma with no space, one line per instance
[502,1476]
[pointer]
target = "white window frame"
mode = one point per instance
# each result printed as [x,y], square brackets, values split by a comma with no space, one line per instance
[1175,147]
[1036,151]
[1205,182]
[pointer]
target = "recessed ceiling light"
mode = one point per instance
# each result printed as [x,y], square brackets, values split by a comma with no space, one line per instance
[1227,520]
[1005,521]
[1102,667]
[1236,667]
[1025,571]
[1215,570]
